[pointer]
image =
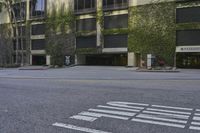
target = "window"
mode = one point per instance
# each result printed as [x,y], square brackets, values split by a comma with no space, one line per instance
[19,11]
[188,37]
[21,40]
[116,41]
[38,29]
[86,24]
[37,8]
[185,15]
[38,44]
[115,4]
[117,21]
[21,31]
[84,5]
[86,42]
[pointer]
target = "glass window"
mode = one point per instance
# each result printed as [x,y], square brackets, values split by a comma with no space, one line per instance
[86,42]
[19,10]
[38,44]
[81,5]
[37,8]
[116,41]
[115,3]
[38,29]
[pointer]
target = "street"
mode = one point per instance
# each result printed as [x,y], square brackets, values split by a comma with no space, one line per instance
[95,99]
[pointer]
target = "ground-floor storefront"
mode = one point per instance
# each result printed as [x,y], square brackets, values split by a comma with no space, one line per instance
[188,60]
[103,59]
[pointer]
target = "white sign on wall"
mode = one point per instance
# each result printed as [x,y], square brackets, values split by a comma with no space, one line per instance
[188,49]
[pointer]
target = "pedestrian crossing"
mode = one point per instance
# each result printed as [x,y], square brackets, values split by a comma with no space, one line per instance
[195,124]
[178,117]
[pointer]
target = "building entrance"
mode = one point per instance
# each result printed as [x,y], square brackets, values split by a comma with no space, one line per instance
[188,60]
[107,60]
[38,60]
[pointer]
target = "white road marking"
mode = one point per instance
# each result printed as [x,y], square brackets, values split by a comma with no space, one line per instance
[169,111]
[159,123]
[117,108]
[84,118]
[103,115]
[194,128]
[170,107]
[198,110]
[113,112]
[127,105]
[196,123]
[159,118]
[73,127]
[167,114]
[196,118]
[197,114]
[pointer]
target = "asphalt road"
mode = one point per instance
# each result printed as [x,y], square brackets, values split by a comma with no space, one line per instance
[99,100]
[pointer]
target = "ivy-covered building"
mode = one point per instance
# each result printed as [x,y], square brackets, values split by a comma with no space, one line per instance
[107,32]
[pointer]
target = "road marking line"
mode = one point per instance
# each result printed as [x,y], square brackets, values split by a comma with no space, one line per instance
[73,127]
[198,110]
[159,118]
[129,103]
[84,118]
[197,114]
[113,112]
[194,128]
[167,114]
[170,107]
[103,115]
[169,111]
[117,108]
[196,118]
[196,123]
[125,106]
[158,123]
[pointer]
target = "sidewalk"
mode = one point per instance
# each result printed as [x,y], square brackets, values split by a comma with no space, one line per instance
[34,68]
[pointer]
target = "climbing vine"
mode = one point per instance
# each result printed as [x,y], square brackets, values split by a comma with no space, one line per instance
[152,30]
[60,35]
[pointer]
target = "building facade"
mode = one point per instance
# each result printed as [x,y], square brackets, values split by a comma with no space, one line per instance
[102,31]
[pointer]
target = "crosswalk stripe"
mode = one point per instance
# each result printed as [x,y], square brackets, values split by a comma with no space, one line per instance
[117,108]
[194,128]
[195,123]
[159,118]
[113,112]
[197,114]
[128,103]
[169,111]
[103,115]
[196,118]
[85,118]
[170,107]
[77,128]
[198,110]
[167,114]
[158,123]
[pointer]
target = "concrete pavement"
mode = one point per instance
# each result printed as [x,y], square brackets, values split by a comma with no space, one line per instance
[99,100]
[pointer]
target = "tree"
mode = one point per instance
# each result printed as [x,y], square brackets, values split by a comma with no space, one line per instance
[152,29]
[8,6]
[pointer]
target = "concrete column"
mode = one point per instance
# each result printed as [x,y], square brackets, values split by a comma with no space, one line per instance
[48,60]
[99,34]
[27,9]
[31,63]
[131,59]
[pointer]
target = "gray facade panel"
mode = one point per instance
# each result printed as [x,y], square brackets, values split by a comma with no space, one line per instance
[188,38]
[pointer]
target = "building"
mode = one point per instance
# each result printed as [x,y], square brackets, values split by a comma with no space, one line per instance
[102,31]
